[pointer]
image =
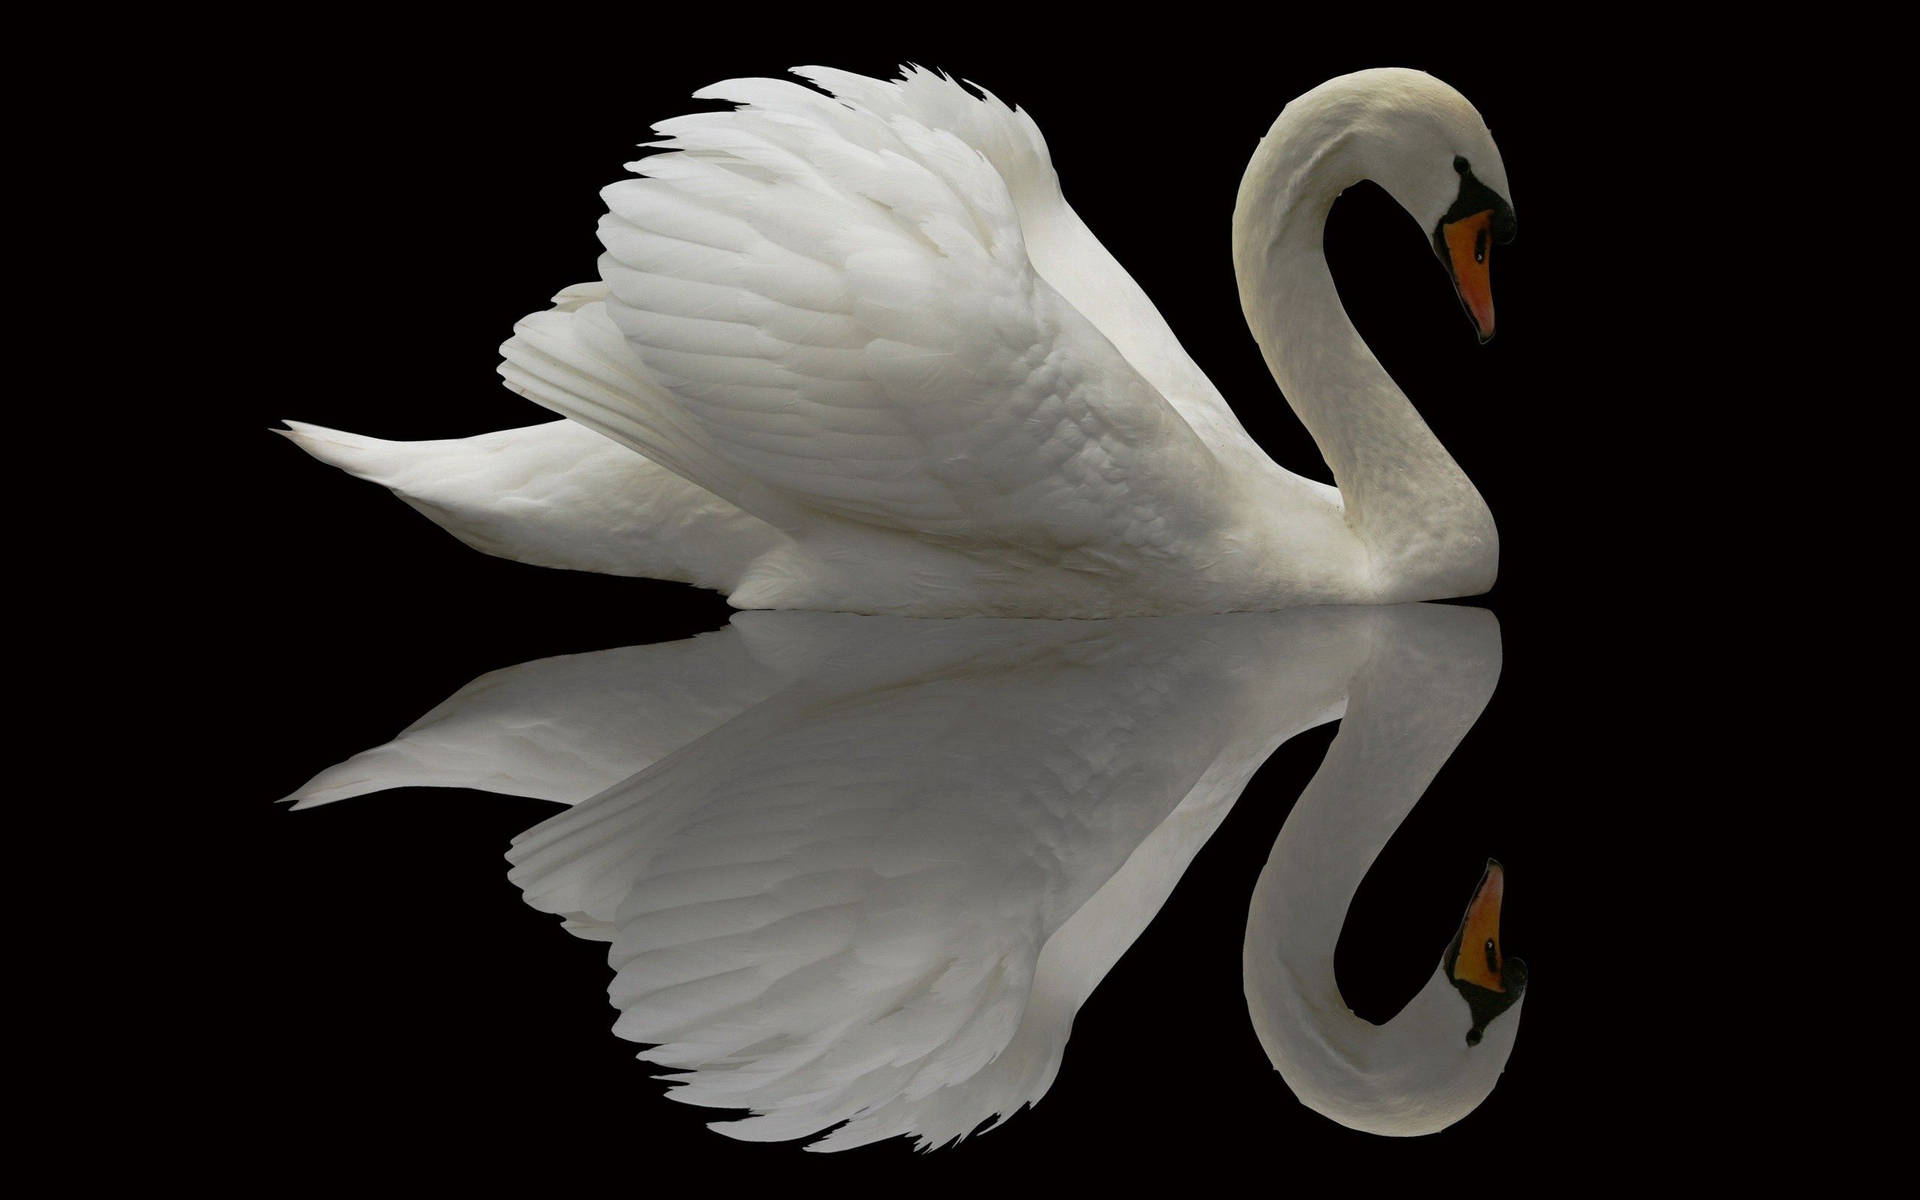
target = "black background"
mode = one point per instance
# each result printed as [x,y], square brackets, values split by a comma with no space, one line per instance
[366,992]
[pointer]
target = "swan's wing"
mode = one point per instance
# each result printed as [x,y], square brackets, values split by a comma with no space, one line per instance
[1059,244]
[841,304]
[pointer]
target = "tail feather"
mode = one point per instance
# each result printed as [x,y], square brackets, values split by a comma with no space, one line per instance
[619,488]
[557,495]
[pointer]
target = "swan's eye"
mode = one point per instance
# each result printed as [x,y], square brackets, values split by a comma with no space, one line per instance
[1480,247]
[1493,957]
[1460,165]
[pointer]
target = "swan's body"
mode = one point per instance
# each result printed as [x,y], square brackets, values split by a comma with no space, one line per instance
[857,353]
[867,871]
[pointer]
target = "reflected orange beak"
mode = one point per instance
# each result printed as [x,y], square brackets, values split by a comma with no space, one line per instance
[1469,243]
[1479,961]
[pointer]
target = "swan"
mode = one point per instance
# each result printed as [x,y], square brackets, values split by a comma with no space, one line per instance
[858,875]
[850,349]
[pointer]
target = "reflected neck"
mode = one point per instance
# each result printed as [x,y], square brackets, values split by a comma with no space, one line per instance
[1427,676]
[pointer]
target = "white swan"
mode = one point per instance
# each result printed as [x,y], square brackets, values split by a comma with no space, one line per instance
[864,877]
[855,352]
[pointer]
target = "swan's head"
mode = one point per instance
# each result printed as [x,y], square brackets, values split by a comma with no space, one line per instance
[1428,1067]
[1421,141]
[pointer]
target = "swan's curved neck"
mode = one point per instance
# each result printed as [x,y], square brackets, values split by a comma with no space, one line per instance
[1426,678]
[1427,532]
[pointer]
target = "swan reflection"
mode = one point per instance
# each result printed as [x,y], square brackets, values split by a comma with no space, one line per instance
[858,874]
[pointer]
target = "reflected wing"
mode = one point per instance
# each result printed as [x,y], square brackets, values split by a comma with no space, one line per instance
[838,306]
[832,907]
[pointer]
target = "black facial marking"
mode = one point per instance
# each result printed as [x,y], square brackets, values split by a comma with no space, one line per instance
[1474,197]
[1484,1004]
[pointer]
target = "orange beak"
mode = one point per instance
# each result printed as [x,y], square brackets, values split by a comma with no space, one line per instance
[1479,961]
[1469,244]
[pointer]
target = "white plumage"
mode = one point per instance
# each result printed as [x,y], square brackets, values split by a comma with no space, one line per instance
[863,356]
